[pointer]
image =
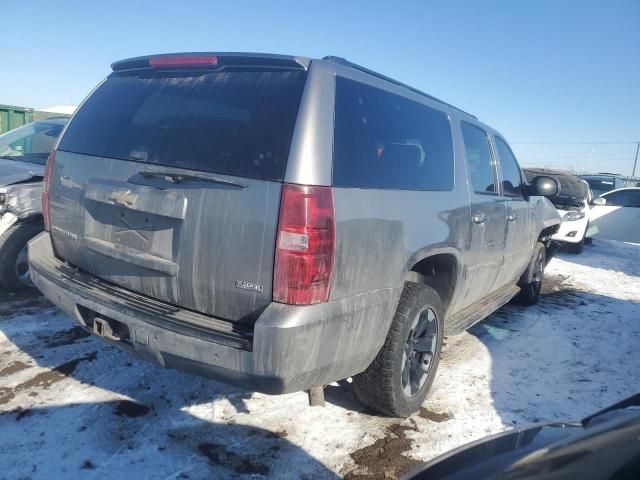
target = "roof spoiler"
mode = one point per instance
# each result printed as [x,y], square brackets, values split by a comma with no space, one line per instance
[212,60]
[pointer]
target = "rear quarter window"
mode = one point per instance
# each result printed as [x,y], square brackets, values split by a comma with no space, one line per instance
[230,122]
[386,141]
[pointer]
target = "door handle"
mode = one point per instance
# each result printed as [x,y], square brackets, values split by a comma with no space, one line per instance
[512,217]
[479,218]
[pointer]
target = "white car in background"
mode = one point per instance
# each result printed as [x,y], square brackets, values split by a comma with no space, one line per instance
[573,203]
[615,215]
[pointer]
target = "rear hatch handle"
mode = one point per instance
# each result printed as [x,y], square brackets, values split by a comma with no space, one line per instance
[181,177]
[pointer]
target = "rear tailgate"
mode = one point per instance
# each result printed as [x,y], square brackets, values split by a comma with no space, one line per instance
[167,182]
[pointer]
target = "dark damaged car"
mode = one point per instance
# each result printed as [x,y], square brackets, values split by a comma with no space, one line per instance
[603,446]
[23,156]
[573,202]
[282,223]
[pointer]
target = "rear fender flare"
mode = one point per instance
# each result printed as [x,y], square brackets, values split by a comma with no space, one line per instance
[417,277]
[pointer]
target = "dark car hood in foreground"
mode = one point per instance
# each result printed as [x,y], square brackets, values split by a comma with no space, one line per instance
[14,171]
[572,188]
[602,446]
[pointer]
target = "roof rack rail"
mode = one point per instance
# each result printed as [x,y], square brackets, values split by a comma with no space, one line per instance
[347,63]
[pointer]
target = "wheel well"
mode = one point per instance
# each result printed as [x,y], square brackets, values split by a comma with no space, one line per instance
[548,232]
[439,272]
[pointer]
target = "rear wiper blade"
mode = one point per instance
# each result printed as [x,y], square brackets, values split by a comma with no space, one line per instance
[182,177]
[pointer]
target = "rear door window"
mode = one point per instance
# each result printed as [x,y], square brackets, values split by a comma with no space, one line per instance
[511,176]
[478,152]
[230,122]
[387,141]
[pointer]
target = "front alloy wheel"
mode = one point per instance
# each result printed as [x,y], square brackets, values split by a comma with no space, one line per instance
[531,282]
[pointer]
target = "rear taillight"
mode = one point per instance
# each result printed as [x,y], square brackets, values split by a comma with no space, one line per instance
[45,191]
[305,245]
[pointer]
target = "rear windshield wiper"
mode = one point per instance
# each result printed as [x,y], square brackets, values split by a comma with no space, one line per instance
[178,178]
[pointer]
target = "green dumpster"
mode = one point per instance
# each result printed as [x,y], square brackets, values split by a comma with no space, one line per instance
[12,117]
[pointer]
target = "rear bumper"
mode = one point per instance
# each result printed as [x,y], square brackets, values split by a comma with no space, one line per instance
[289,348]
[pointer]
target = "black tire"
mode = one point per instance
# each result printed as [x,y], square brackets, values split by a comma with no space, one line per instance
[11,244]
[576,248]
[531,282]
[381,386]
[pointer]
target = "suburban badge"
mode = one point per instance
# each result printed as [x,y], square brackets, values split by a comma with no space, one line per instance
[249,286]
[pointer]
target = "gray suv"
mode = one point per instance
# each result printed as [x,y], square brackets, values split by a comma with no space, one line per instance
[281,223]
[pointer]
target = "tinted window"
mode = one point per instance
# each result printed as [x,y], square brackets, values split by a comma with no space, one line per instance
[476,145]
[30,143]
[625,198]
[237,123]
[511,178]
[386,141]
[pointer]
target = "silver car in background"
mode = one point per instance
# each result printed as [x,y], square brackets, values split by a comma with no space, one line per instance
[281,223]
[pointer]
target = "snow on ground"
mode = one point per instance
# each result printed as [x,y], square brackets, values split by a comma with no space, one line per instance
[72,405]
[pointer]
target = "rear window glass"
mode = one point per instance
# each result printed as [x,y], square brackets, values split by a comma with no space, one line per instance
[600,184]
[386,141]
[232,122]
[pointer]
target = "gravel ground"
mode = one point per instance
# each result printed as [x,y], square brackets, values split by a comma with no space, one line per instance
[72,405]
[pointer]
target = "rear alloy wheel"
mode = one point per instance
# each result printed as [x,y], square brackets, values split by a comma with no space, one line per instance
[398,380]
[531,282]
[418,352]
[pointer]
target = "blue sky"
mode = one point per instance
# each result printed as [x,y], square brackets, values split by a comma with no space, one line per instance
[541,72]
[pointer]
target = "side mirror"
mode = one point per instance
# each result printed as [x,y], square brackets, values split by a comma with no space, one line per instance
[545,186]
[599,201]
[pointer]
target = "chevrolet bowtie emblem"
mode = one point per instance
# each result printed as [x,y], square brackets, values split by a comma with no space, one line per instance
[122,197]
